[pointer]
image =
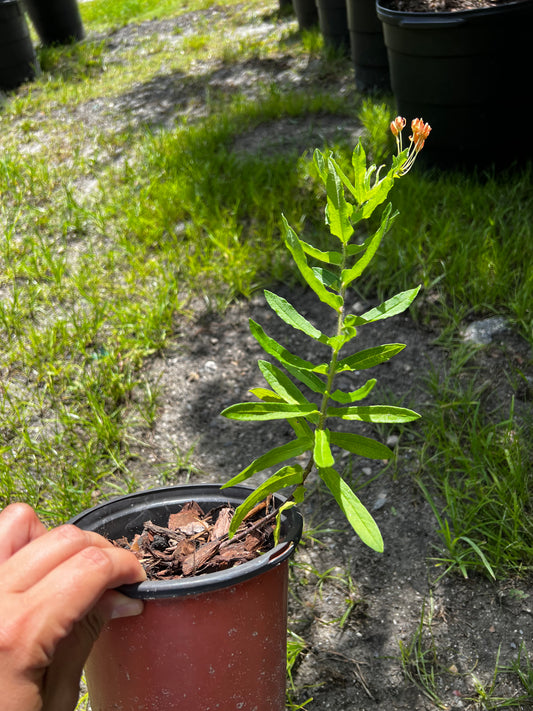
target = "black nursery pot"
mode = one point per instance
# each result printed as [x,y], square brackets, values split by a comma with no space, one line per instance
[333,22]
[467,73]
[369,54]
[17,55]
[55,21]
[306,13]
[212,641]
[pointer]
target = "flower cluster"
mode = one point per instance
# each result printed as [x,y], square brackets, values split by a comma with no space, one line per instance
[417,139]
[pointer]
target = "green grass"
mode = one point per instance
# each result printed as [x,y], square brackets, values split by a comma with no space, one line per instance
[107,237]
[105,240]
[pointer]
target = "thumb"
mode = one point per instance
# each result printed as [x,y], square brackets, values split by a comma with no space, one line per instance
[62,678]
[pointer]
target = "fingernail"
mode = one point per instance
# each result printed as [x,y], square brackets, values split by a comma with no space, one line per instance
[127,607]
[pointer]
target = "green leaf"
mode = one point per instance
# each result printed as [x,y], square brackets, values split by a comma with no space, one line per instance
[327,278]
[284,507]
[288,313]
[362,446]
[273,348]
[271,458]
[287,476]
[308,378]
[355,395]
[330,257]
[301,428]
[392,307]
[358,516]
[322,451]
[359,166]
[295,248]
[260,411]
[338,211]
[372,244]
[374,413]
[369,357]
[320,163]
[280,383]
[377,194]
[266,395]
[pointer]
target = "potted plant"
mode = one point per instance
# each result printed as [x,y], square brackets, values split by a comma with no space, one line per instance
[218,640]
[462,64]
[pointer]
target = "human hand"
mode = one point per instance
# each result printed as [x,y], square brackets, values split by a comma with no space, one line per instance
[55,597]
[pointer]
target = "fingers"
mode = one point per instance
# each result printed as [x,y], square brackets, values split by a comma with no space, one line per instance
[18,526]
[62,677]
[49,552]
[70,591]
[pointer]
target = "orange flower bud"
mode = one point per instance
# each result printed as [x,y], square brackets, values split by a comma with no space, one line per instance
[421,131]
[397,125]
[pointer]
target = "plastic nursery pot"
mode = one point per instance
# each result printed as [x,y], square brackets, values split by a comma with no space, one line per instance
[214,641]
[333,22]
[17,55]
[369,54]
[55,21]
[465,73]
[306,13]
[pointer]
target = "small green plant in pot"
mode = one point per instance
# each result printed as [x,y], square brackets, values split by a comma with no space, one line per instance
[349,206]
[219,639]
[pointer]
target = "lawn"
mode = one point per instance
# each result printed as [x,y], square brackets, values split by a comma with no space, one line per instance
[143,175]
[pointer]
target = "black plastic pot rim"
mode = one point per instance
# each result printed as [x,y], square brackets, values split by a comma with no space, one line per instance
[178,495]
[422,20]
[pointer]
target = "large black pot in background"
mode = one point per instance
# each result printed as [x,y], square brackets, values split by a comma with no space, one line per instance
[333,22]
[17,55]
[55,21]
[369,54]
[468,74]
[306,13]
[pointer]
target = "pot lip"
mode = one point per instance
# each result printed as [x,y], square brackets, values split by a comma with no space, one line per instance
[386,14]
[180,494]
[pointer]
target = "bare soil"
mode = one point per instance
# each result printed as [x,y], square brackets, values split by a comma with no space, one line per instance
[210,363]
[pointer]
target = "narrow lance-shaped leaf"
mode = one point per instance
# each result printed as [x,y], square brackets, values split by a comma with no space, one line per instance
[273,348]
[322,451]
[370,357]
[362,446]
[377,194]
[327,277]
[281,383]
[348,275]
[338,209]
[312,381]
[355,395]
[293,244]
[261,411]
[360,519]
[374,413]
[392,307]
[271,458]
[266,395]
[359,166]
[287,476]
[290,315]
[331,257]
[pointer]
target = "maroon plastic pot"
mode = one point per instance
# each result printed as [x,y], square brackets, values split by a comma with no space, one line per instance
[215,641]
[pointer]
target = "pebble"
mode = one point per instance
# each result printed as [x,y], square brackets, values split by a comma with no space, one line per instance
[482,332]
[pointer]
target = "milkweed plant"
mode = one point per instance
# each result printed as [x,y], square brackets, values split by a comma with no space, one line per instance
[312,417]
